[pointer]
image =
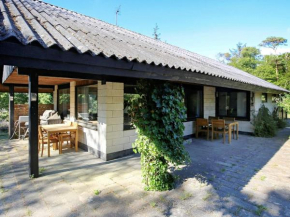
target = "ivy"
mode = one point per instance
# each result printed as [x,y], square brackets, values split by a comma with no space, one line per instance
[158,115]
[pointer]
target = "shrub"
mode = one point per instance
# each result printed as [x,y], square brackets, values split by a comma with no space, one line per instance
[158,114]
[4,115]
[264,123]
[281,124]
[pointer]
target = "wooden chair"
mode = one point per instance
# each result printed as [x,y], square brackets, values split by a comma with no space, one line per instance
[42,139]
[210,118]
[66,137]
[219,126]
[230,119]
[202,126]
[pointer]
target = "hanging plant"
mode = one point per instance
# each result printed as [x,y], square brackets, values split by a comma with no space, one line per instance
[158,116]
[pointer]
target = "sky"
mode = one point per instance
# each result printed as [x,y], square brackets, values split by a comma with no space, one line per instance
[206,27]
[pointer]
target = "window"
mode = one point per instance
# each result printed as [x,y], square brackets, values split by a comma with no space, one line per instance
[129,95]
[275,98]
[87,104]
[233,103]
[193,102]
[264,97]
[64,102]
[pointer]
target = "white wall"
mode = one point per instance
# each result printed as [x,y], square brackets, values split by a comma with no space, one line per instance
[209,101]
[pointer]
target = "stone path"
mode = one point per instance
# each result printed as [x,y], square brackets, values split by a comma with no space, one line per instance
[250,177]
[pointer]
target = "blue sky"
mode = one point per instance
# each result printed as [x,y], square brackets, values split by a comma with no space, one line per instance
[206,27]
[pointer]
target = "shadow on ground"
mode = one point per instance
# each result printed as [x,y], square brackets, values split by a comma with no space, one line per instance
[249,177]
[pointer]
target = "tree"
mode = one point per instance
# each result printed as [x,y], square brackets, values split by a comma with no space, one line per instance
[45,98]
[156,35]
[274,43]
[285,103]
[158,114]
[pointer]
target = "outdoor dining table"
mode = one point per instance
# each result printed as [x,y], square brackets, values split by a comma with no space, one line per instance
[229,124]
[59,128]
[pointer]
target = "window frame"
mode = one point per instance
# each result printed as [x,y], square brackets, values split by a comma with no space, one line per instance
[189,88]
[228,90]
[92,126]
[266,97]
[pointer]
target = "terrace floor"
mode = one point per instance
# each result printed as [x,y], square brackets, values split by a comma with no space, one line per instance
[249,177]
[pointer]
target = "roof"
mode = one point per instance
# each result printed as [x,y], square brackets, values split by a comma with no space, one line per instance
[39,22]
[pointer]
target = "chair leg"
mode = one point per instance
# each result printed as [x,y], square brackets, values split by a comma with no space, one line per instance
[42,149]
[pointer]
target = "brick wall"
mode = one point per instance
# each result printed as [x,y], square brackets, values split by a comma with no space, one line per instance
[22,109]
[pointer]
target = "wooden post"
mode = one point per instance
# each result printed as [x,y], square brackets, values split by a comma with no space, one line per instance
[11,110]
[33,126]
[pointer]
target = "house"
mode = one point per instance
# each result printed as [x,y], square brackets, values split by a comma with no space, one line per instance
[92,66]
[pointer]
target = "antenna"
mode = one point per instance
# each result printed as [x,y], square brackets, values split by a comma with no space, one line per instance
[118,12]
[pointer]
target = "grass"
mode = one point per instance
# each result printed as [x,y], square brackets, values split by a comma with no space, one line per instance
[162,199]
[260,210]
[29,212]
[212,178]
[263,178]
[31,176]
[223,170]
[185,196]
[207,196]
[153,204]
[2,190]
[256,170]
[97,192]
[234,165]
[41,170]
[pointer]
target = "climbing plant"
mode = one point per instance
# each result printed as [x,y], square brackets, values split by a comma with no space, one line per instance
[158,114]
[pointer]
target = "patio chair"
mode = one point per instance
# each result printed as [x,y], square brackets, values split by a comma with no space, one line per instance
[210,118]
[219,126]
[66,136]
[42,139]
[202,126]
[229,119]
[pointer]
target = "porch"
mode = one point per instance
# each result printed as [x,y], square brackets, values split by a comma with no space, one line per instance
[220,181]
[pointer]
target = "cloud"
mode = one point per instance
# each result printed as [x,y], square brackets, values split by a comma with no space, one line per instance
[268,51]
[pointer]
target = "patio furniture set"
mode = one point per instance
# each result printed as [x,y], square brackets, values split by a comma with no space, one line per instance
[226,125]
[57,134]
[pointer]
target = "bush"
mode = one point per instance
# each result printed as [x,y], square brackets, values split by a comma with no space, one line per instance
[4,115]
[264,123]
[281,124]
[158,114]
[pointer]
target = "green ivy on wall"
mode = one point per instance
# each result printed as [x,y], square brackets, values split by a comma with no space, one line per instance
[158,115]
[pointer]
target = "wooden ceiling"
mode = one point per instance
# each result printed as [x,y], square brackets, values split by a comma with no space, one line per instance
[24,89]
[15,78]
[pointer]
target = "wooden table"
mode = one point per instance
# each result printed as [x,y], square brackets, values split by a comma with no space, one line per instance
[59,128]
[233,124]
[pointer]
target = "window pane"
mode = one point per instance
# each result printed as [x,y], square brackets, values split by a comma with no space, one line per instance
[128,97]
[232,104]
[193,103]
[64,103]
[87,106]
[242,104]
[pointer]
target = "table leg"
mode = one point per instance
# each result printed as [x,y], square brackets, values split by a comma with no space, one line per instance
[76,140]
[230,133]
[237,130]
[48,144]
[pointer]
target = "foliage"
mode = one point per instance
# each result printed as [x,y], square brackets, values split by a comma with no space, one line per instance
[4,101]
[285,103]
[97,192]
[158,114]
[45,98]
[4,115]
[273,42]
[281,124]
[272,68]
[264,123]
